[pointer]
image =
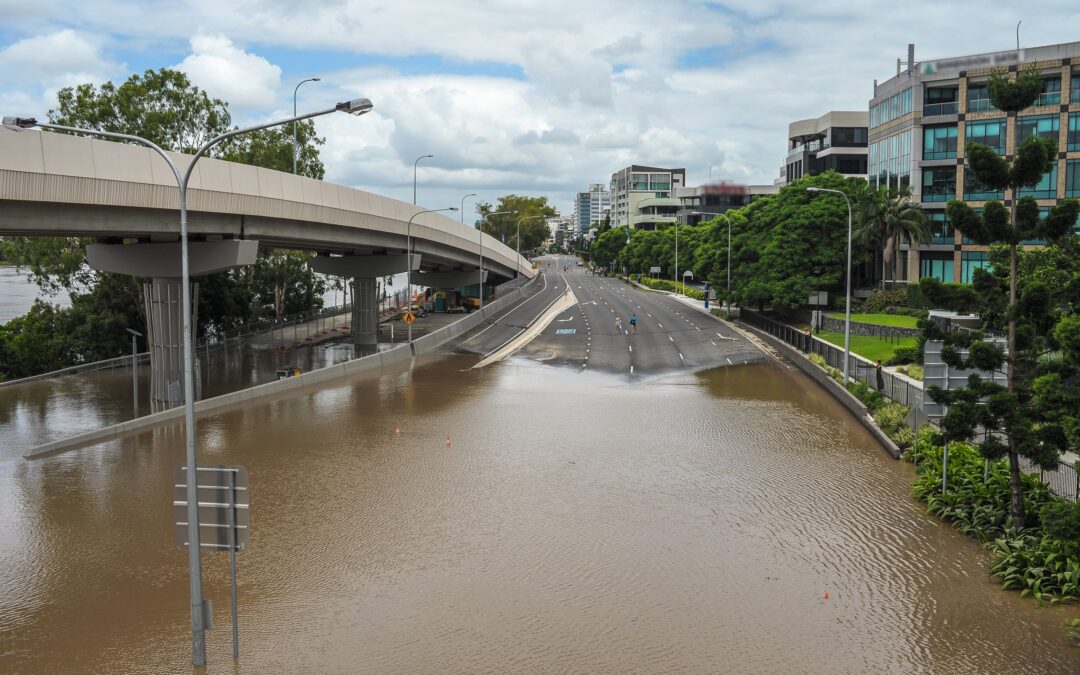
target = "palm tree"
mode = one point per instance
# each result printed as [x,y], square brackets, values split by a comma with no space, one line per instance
[885,217]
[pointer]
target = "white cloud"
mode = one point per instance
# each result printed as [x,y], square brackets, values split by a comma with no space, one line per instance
[227,72]
[588,88]
[64,55]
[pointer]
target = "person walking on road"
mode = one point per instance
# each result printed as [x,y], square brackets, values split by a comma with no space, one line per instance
[633,324]
[618,324]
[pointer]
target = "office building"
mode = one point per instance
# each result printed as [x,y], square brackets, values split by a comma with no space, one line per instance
[589,206]
[718,197]
[836,141]
[643,197]
[921,119]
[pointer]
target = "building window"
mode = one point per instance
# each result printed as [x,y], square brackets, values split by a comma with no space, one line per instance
[1074,89]
[1072,178]
[1051,91]
[941,232]
[1073,139]
[987,132]
[936,265]
[1040,126]
[639,181]
[971,261]
[890,108]
[940,101]
[976,191]
[939,184]
[939,142]
[1046,188]
[978,98]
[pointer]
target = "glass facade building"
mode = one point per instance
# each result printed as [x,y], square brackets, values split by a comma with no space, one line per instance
[922,120]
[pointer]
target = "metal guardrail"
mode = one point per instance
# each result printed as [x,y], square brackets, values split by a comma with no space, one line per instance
[896,388]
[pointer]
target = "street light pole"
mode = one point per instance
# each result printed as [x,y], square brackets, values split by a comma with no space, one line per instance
[519,239]
[356,107]
[482,221]
[408,259]
[134,370]
[414,176]
[295,147]
[847,309]
[471,194]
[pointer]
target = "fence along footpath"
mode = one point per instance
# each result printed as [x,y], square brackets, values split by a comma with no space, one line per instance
[1064,480]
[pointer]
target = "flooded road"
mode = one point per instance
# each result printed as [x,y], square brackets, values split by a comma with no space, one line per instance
[17,294]
[575,522]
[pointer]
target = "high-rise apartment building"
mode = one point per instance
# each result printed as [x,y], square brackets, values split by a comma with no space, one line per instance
[836,141]
[921,119]
[589,207]
[643,197]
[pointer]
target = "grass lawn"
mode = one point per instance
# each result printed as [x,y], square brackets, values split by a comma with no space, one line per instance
[868,347]
[895,320]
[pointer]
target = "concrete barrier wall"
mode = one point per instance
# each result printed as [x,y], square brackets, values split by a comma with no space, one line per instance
[368,364]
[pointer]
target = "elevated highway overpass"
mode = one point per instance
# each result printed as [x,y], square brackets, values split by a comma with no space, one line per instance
[125,197]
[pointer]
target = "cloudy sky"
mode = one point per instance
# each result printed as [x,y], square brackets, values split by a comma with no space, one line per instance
[534,97]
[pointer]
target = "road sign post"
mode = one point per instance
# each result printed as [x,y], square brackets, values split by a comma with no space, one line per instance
[224,519]
[408,318]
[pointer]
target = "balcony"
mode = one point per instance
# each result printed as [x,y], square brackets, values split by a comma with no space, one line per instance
[979,105]
[935,109]
[1049,98]
[812,146]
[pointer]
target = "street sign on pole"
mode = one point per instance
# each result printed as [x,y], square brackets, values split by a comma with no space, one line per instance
[408,318]
[224,517]
[654,270]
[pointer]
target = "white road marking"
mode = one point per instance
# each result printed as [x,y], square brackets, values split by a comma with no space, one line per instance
[713,343]
[729,362]
[659,324]
[671,338]
[631,347]
[648,315]
[681,356]
[631,370]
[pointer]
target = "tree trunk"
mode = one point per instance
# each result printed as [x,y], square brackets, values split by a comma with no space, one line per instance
[1018,515]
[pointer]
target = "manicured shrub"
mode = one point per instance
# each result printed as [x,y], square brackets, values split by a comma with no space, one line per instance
[883,300]
[904,355]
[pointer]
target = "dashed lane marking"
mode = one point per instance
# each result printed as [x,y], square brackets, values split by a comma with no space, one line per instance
[671,338]
[681,357]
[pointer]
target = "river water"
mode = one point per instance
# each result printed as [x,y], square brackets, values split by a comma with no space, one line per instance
[17,294]
[524,518]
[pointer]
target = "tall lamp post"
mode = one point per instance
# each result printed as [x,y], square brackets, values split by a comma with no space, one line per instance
[408,257]
[135,335]
[471,194]
[295,146]
[414,176]
[356,107]
[724,216]
[482,221]
[520,220]
[847,310]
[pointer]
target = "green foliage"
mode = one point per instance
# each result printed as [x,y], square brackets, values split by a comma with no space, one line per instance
[905,355]
[886,217]
[880,319]
[527,215]
[668,285]
[1061,519]
[912,370]
[868,347]
[884,300]
[159,105]
[607,247]
[890,418]
[871,398]
[273,149]
[1013,95]
[818,360]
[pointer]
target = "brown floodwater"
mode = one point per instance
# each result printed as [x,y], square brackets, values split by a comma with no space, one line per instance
[575,522]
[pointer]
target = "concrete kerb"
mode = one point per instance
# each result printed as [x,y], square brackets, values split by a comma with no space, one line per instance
[372,362]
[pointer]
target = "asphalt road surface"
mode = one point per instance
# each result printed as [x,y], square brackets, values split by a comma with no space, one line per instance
[670,335]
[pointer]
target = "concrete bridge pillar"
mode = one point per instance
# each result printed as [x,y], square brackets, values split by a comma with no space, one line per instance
[365,312]
[364,270]
[163,297]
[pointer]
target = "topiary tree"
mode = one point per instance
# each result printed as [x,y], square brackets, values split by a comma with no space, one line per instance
[1011,419]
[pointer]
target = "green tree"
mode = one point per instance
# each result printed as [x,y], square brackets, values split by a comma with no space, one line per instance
[160,105]
[534,230]
[884,218]
[607,247]
[1016,412]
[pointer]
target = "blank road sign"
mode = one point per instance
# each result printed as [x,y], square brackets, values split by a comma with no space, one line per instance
[218,506]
